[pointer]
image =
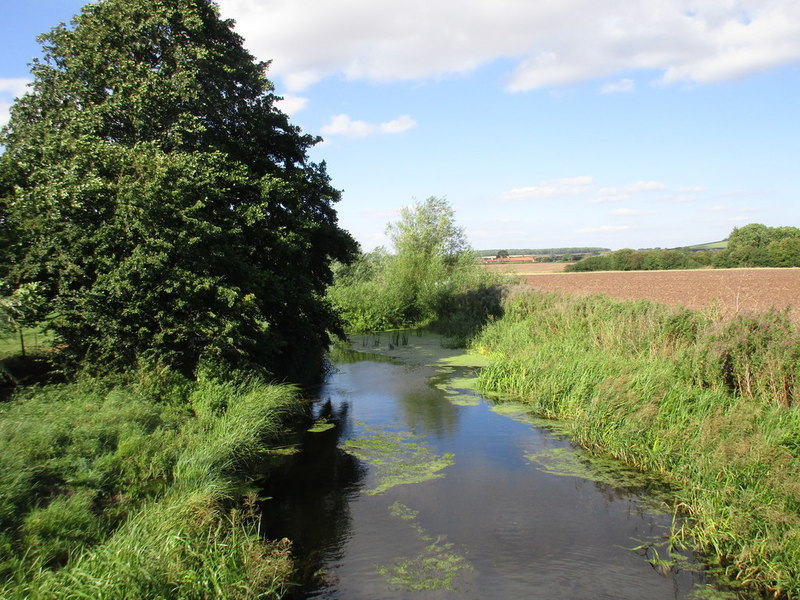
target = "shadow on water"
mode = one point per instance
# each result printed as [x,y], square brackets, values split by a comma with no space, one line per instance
[307,496]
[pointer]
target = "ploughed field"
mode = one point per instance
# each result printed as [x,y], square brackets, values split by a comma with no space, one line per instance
[732,290]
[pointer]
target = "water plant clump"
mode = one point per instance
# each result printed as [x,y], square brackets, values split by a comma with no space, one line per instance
[708,404]
[435,567]
[397,457]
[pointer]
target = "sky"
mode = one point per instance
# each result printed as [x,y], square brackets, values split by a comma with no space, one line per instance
[611,123]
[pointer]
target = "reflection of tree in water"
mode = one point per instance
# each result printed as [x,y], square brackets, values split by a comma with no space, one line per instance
[309,494]
[426,409]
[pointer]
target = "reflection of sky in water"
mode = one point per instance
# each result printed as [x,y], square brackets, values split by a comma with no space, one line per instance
[524,532]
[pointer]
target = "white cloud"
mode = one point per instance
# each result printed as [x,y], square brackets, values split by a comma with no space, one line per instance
[551,43]
[5,114]
[9,90]
[620,194]
[603,229]
[14,87]
[291,104]
[398,125]
[345,126]
[557,188]
[627,212]
[623,85]
[608,195]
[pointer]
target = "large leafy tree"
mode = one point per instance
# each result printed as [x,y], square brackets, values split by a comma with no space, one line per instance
[166,205]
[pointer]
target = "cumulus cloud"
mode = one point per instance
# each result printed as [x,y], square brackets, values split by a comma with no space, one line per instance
[550,43]
[627,212]
[625,192]
[343,125]
[623,85]
[556,188]
[9,90]
[291,104]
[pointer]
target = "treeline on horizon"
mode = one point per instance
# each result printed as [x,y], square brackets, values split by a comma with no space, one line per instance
[753,245]
[578,250]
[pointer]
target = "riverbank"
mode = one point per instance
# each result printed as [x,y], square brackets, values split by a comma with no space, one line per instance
[709,404]
[139,489]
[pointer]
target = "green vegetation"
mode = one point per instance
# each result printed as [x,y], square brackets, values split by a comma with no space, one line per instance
[757,245]
[435,567]
[709,404]
[753,245]
[642,260]
[398,459]
[137,490]
[164,233]
[158,207]
[431,279]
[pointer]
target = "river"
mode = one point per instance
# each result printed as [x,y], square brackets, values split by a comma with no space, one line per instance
[413,485]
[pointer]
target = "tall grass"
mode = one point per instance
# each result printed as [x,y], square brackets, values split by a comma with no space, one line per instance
[107,491]
[711,405]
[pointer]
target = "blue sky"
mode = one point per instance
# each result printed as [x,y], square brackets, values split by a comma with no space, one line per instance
[614,123]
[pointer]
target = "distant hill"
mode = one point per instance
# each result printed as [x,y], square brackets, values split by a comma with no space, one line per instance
[721,245]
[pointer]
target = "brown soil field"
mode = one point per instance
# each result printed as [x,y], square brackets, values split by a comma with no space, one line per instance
[731,290]
[525,268]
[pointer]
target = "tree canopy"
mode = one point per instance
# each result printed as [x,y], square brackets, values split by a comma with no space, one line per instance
[166,206]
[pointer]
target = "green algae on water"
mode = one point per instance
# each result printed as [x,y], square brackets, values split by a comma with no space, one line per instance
[573,462]
[397,457]
[463,399]
[321,425]
[434,567]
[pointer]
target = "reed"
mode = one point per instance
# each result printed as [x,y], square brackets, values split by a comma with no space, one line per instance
[709,404]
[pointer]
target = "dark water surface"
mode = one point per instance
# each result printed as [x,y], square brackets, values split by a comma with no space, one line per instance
[495,523]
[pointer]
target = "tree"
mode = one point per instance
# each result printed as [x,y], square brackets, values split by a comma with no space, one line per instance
[754,235]
[168,208]
[429,229]
[502,254]
[430,251]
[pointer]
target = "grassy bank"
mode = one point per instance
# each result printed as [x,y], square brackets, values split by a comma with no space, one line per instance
[113,489]
[710,404]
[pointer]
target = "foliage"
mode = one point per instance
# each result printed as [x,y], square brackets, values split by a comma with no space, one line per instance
[162,202]
[109,491]
[432,274]
[756,245]
[638,260]
[711,405]
[753,245]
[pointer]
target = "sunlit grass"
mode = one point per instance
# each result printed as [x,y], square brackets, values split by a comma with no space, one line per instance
[710,405]
[107,491]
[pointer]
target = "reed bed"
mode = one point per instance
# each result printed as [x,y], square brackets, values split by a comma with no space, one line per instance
[710,404]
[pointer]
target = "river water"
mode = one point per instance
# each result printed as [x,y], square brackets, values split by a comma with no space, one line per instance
[413,485]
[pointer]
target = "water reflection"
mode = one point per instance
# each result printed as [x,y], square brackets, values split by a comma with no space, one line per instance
[512,527]
[308,496]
